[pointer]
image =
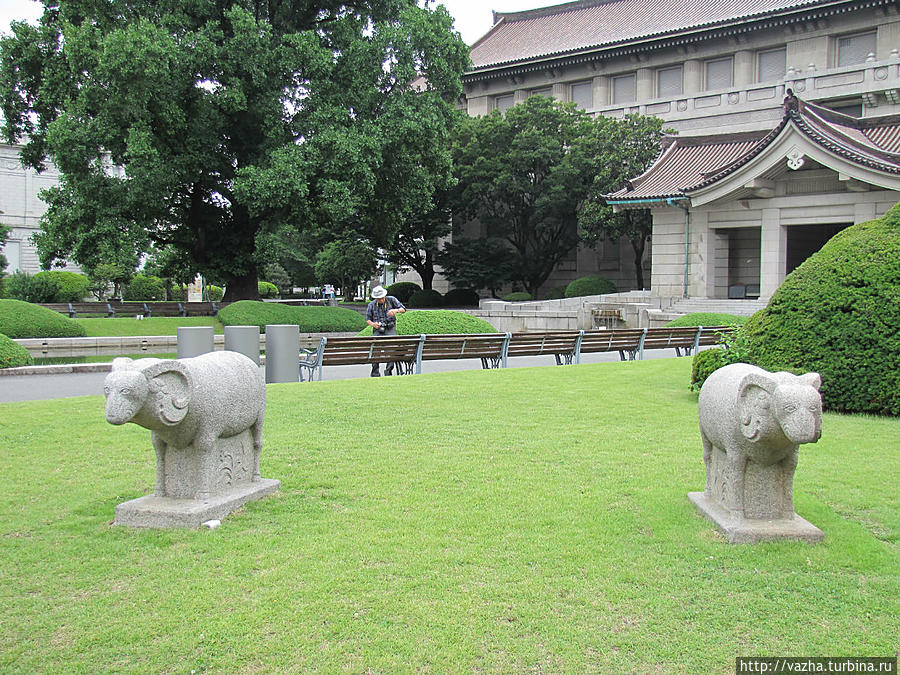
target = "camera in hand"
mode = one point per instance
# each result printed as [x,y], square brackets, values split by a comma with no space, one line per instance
[380,330]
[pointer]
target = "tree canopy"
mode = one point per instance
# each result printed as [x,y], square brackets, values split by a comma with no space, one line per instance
[200,125]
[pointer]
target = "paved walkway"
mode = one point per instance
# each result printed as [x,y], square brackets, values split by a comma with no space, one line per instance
[40,387]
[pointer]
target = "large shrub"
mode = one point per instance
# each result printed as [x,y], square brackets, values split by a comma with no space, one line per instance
[69,286]
[267,290]
[213,293]
[438,322]
[517,296]
[461,297]
[13,355]
[402,290]
[20,319]
[590,285]
[310,319]
[838,314]
[145,287]
[707,319]
[430,298]
[556,293]
[23,286]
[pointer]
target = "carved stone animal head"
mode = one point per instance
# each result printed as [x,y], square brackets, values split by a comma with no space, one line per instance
[156,388]
[770,403]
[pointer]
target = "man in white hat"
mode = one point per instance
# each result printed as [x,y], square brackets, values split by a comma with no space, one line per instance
[381,314]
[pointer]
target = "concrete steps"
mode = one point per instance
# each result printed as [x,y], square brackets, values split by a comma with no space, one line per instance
[739,307]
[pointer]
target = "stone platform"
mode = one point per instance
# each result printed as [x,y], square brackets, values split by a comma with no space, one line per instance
[166,512]
[746,530]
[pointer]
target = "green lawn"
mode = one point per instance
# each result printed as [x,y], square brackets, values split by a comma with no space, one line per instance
[481,521]
[158,325]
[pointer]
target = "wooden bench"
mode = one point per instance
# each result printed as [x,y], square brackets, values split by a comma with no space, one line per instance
[342,351]
[627,341]
[563,345]
[490,348]
[148,309]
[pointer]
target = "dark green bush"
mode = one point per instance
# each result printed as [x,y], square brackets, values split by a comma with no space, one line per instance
[461,297]
[267,290]
[145,287]
[438,322]
[425,299]
[23,286]
[310,319]
[703,365]
[517,296]
[838,314]
[213,293]
[403,290]
[69,286]
[590,285]
[556,293]
[13,355]
[20,319]
[707,319]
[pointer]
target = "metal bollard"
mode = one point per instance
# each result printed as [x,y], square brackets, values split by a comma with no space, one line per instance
[194,341]
[283,353]
[243,340]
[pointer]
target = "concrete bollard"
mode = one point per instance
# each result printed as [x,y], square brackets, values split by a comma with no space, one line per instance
[283,353]
[243,340]
[194,341]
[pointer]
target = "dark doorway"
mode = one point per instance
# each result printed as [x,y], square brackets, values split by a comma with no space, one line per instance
[804,240]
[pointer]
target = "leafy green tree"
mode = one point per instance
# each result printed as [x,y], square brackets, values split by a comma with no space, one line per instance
[345,263]
[523,175]
[198,125]
[477,263]
[628,148]
[418,239]
[276,274]
[104,275]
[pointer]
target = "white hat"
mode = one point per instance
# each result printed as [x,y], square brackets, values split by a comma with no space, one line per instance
[378,292]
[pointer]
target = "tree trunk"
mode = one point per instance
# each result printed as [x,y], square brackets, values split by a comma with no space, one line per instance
[638,245]
[244,287]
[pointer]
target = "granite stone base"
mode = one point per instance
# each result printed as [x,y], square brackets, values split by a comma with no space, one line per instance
[746,530]
[166,512]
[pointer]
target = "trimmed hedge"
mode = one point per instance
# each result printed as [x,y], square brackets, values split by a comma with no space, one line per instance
[517,296]
[461,297]
[267,290]
[20,319]
[403,290]
[425,299]
[145,287]
[438,322]
[590,285]
[310,319]
[707,319]
[13,355]
[556,293]
[703,365]
[70,286]
[213,293]
[838,314]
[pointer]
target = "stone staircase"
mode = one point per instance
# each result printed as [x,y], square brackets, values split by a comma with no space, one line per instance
[694,305]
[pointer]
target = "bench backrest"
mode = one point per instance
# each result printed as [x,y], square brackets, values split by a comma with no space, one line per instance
[355,350]
[464,346]
[537,344]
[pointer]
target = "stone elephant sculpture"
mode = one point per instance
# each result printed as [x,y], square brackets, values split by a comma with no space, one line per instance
[190,402]
[749,416]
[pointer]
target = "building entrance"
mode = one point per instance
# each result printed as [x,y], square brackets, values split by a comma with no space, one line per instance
[804,240]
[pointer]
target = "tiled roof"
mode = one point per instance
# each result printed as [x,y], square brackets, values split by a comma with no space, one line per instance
[586,24]
[691,163]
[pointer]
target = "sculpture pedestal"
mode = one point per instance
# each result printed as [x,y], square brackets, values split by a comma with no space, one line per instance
[747,530]
[167,512]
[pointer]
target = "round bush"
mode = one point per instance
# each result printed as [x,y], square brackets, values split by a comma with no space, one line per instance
[556,293]
[517,296]
[438,322]
[838,314]
[425,299]
[310,319]
[70,286]
[403,290]
[703,365]
[20,319]
[461,297]
[590,285]
[267,290]
[707,319]
[145,287]
[13,355]
[213,293]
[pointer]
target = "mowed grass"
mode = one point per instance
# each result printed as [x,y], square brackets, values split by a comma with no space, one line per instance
[157,325]
[481,521]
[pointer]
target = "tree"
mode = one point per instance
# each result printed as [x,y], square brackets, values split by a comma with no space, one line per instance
[518,176]
[418,239]
[345,263]
[477,263]
[197,126]
[628,147]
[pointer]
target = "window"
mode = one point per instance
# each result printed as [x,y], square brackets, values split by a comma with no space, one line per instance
[504,103]
[855,49]
[771,65]
[582,95]
[719,73]
[668,82]
[623,89]
[12,251]
[546,91]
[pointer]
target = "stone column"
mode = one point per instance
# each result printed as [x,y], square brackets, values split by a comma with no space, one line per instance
[194,341]
[283,353]
[243,340]
[693,77]
[601,91]
[645,85]
[773,253]
[744,70]
[561,91]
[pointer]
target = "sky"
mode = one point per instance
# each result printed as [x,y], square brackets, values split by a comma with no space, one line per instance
[473,17]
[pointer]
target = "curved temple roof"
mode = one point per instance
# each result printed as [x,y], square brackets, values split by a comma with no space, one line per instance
[692,163]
